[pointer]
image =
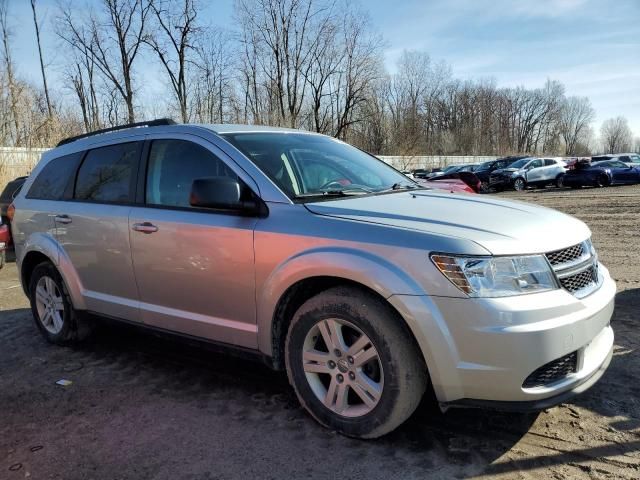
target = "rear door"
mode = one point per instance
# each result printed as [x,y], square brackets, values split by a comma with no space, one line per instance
[194,267]
[93,228]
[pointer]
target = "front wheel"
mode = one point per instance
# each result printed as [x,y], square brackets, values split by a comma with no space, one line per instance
[560,181]
[519,184]
[352,364]
[602,180]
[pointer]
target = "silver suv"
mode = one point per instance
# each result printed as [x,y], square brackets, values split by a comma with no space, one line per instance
[529,172]
[368,289]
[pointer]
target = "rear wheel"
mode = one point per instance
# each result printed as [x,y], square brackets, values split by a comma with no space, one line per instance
[352,364]
[519,184]
[52,311]
[484,187]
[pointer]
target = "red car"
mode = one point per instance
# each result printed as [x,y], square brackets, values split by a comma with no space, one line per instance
[4,241]
[463,182]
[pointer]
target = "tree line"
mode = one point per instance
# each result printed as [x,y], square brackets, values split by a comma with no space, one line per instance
[311,64]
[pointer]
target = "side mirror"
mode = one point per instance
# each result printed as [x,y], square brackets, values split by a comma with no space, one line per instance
[222,193]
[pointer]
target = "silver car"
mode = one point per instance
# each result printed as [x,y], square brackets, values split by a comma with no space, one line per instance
[366,288]
[529,172]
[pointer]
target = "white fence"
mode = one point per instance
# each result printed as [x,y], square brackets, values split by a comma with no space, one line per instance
[431,161]
[16,162]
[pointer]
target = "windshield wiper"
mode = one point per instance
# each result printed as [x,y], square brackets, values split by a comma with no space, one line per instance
[399,186]
[344,192]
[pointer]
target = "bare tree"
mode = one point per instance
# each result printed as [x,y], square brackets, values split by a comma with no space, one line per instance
[13,88]
[44,76]
[285,33]
[575,116]
[171,40]
[112,40]
[616,135]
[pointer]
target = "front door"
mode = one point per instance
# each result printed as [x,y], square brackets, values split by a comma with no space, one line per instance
[194,268]
[535,171]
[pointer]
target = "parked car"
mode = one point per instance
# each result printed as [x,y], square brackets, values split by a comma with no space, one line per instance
[459,181]
[421,173]
[4,242]
[601,174]
[436,172]
[9,192]
[631,159]
[483,172]
[529,172]
[322,261]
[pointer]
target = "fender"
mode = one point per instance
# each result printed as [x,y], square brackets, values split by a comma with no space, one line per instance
[47,245]
[361,267]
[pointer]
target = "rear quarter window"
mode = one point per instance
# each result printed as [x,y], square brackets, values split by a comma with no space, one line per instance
[52,181]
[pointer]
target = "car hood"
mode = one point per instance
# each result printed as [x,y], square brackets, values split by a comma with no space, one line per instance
[506,170]
[502,227]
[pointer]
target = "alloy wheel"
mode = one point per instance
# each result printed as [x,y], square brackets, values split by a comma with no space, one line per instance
[519,184]
[50,305]
[343,367]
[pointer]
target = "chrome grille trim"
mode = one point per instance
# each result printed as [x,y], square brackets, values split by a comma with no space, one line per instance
[576,268]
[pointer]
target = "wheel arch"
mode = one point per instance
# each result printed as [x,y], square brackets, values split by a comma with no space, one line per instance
[45,248]
[307,275]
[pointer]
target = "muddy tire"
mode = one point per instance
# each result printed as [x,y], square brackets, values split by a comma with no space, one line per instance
[353,363]
[51,307]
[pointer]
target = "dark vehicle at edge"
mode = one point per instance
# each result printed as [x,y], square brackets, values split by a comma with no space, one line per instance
[601,174]
[6,197]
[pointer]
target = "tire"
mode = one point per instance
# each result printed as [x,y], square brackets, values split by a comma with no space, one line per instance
[519,184]
[61,324]
[397,373]
[3,258]
[484,187]
[602,180]
[560,181]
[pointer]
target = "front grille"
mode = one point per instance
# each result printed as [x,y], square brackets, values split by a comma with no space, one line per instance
[576,268]
[566,255]
[580,280]
[553,371]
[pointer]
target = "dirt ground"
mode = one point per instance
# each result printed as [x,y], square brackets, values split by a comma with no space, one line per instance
[145,407]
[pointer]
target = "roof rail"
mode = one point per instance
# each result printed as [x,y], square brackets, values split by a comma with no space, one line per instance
[151,123]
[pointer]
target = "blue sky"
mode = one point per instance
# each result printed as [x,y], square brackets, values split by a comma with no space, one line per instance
[591,46]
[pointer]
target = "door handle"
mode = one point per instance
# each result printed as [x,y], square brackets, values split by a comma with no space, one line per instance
[145,227]
[65,219]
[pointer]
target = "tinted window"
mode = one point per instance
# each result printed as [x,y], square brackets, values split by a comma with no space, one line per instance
[617,164]
[52,181]
[174,165]
[107,174]
[548,162]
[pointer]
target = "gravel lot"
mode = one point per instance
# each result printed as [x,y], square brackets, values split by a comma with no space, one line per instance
[146,407]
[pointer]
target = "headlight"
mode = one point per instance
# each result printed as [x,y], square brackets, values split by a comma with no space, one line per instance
[497,276]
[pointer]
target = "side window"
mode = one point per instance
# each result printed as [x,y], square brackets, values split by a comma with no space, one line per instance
[535,164]
[174,165]
[107,174]
[549,162]
[52,181]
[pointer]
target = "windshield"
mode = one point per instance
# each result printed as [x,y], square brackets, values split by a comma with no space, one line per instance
[486,165]
[304,165]
[520,163]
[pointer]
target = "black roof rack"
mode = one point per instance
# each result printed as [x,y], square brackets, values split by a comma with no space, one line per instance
[151,123]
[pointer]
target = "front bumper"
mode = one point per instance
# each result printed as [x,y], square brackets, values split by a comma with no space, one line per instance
[500,181]
[482,350]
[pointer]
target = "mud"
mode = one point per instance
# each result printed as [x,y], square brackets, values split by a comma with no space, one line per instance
[147,407]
